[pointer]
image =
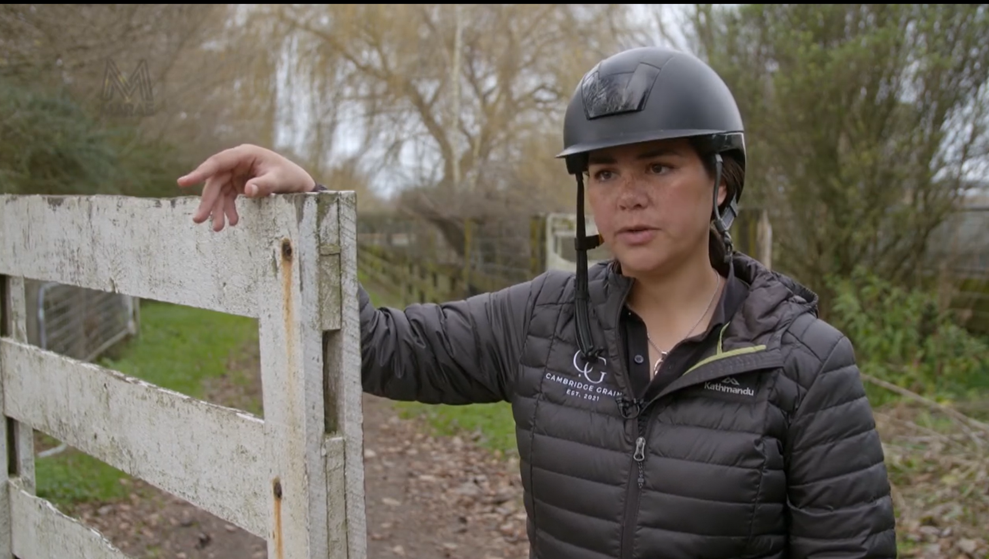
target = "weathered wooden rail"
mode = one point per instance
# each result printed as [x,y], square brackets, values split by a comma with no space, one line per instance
[401,263]
[408,274]
[294,477]
[409,259]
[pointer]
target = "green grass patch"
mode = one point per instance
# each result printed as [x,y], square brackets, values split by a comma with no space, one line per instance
[73,477]
[178,348]
[491,424]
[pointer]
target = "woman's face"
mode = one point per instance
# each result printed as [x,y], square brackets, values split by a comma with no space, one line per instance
[651,204]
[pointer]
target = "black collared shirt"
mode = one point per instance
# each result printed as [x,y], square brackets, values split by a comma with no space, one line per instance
[689,351]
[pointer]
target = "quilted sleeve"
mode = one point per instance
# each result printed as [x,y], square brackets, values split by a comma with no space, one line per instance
[461,352]
[838,487]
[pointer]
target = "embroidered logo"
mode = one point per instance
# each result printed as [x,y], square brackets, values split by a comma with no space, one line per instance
[587,369]
[589,382]
[729,385]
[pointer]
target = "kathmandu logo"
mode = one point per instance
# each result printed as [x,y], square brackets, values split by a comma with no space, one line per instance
[729,385]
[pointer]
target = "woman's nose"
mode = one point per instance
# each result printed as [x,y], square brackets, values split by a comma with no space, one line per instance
[632,192]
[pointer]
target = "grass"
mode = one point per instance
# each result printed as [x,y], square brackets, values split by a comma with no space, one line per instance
[178,348]
[490,425]
[73,477]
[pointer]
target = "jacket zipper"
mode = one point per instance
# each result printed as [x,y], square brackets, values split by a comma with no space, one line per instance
[635,484]
[634,487]
[634,408]
[630,408]
[637,409]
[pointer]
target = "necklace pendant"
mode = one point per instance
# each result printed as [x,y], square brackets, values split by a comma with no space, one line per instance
[659,362]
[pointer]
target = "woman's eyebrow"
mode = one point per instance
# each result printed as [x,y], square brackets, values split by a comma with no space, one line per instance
[608,160]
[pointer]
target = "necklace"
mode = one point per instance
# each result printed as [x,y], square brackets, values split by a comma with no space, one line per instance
[664,354]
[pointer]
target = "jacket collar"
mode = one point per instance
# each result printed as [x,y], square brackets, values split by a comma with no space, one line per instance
[773,301]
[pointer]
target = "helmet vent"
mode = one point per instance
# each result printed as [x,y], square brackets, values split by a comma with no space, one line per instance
[617,93]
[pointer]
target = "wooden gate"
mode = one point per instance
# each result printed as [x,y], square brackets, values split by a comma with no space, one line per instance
[294,477]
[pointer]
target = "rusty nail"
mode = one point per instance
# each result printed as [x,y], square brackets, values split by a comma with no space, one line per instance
[286,249]
[278,489]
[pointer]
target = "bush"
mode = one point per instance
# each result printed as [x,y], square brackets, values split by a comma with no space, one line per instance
[906,338]
[51,144]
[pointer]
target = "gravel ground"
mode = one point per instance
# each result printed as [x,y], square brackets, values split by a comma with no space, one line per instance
[426,498]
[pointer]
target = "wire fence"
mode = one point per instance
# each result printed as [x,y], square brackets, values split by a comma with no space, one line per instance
[79,323]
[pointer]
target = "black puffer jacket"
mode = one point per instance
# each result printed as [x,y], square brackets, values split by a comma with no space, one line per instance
[765,448]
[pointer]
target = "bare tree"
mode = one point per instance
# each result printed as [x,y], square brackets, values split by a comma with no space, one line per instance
[459,91]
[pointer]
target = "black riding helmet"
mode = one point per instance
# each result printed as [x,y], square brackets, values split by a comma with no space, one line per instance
[641,95]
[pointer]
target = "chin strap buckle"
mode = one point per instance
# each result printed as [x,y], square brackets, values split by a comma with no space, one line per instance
[590,243]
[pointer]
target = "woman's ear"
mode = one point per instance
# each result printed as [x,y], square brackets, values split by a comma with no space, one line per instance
[722,192]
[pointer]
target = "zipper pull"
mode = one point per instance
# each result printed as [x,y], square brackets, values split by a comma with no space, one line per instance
[639,456]
[640,447]
[629,409]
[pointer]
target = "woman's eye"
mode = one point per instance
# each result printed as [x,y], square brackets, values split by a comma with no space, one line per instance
[605,175]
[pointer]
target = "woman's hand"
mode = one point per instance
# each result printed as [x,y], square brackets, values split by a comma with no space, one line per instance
[246,169]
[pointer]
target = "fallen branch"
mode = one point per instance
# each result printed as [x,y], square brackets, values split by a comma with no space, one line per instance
[931,432]
[968,424]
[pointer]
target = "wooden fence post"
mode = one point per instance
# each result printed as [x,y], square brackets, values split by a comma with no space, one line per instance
[764,240]
[537,245]
[468,254]
[16,437]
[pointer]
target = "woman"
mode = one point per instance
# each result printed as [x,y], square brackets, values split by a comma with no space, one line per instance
[679,401]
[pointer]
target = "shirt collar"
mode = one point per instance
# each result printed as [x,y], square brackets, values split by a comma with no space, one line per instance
[732,296]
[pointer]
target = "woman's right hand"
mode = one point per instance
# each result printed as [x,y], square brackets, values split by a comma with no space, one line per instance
[246,169]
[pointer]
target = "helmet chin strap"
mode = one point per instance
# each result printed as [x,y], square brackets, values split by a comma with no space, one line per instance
[723,222]
[582,243]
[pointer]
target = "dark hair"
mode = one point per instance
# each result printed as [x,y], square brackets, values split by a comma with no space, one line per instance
[733,175]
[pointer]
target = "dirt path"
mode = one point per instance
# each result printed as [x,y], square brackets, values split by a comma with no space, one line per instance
[430,497]
[426,498]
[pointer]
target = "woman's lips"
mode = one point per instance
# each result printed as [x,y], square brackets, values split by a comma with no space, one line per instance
[636,236]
